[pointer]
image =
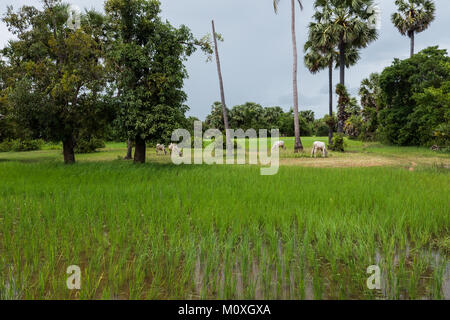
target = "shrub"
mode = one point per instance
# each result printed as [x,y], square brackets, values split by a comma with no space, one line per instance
[19,145]
[331,121]
[89,145]
[337,143]
[322,130]
[353,126]
[442,135]
[5,146]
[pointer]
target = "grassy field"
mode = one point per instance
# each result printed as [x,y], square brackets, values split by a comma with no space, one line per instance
[160,231]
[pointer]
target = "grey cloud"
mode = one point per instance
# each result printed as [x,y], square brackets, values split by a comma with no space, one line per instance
[257,52]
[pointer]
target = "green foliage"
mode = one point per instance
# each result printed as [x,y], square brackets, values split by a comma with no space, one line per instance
[415,93]
[251,115]
[248,115]
[18,145]
[148,54]
[337,143]
[353,126]
[442,135]
[88,145]
[321,129]
[331,121]
[431,116]
[215,119]
[56,77]
[370,93]
[414,16]
[343,105]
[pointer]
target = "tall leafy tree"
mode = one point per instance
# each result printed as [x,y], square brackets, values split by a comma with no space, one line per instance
[413,16]
[405,85]
[247,116]
[57,73]
[298,143]
[150,55]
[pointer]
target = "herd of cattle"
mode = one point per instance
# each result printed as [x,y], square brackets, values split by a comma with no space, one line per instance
[317,146]
[172,148]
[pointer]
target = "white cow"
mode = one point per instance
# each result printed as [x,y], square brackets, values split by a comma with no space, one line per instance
[160,147]
[317,145]
[174,148]
[279,145]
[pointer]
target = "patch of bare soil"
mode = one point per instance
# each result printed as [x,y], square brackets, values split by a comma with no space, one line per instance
[365,161]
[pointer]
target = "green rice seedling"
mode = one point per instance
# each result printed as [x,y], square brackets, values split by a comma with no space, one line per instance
[140,231]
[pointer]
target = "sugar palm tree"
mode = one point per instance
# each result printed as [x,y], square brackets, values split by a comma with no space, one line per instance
[350,19]
[349,22]
[321,51]
[298,143]
[414,16]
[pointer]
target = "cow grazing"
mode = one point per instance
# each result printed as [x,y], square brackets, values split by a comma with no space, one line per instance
[435,148]
[160,147]
[174,148]
[317,145]
[279,145]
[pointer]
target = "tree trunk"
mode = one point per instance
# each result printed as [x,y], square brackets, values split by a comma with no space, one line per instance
[298,143]
[139,150]
[411,36]
[68,150]
[342,60]
[129,150]
[330,88]
[222,93]
[342,74]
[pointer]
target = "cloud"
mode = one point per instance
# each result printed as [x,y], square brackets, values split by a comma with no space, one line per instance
[256,55]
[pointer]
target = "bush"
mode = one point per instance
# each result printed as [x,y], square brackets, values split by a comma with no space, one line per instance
[322,130]
[89,145]
[18,145]
[353,126]
[6,146]
[442,135]
[337,143]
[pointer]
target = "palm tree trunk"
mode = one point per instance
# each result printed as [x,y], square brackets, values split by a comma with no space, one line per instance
[342,60]
[222,93]
[298,143]
[411,36]
[342,74]
[330,88]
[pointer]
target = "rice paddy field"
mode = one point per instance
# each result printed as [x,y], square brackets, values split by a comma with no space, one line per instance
[161,231]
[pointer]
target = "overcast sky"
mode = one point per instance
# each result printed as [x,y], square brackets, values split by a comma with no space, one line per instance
[256,55]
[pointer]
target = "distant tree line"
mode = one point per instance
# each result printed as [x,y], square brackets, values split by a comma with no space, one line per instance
[253,115]
[408,103]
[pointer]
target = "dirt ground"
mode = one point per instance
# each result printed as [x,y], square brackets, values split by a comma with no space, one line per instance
[367,161]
